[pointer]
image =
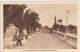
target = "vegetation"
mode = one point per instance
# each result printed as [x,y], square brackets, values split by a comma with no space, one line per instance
[15,14]
[62,28]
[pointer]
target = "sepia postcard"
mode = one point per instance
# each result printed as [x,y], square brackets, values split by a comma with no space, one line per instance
[36,26]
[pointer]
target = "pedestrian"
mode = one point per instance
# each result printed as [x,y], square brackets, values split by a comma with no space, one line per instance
[25,34]
[19,38]
[15,35]
[50,31]
[26,37]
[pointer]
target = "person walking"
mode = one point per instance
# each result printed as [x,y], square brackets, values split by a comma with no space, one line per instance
[19,38]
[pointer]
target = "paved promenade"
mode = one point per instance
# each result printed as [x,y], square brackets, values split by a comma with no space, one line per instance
[44,41]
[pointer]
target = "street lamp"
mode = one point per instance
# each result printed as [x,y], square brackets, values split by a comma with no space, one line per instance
[67,11]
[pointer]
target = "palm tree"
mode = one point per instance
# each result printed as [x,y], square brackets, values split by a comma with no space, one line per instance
[31,19]
[13,14]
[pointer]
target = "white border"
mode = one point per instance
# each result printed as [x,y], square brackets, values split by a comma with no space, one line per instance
[36,2]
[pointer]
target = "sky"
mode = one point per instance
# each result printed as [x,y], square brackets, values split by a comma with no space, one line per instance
[47,12]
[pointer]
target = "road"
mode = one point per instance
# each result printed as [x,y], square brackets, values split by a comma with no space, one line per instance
[44,41]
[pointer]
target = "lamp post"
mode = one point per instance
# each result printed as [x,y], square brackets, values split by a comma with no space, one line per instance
[67,11]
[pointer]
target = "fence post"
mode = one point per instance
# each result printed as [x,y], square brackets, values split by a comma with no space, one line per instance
[65,36]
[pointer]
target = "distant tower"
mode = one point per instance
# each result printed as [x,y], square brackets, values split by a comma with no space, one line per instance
[55,20]
[55,26]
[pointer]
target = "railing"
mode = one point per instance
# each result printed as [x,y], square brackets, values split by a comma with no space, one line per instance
[70,38]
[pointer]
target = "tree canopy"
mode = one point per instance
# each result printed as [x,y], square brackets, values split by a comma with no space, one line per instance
[15,14]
